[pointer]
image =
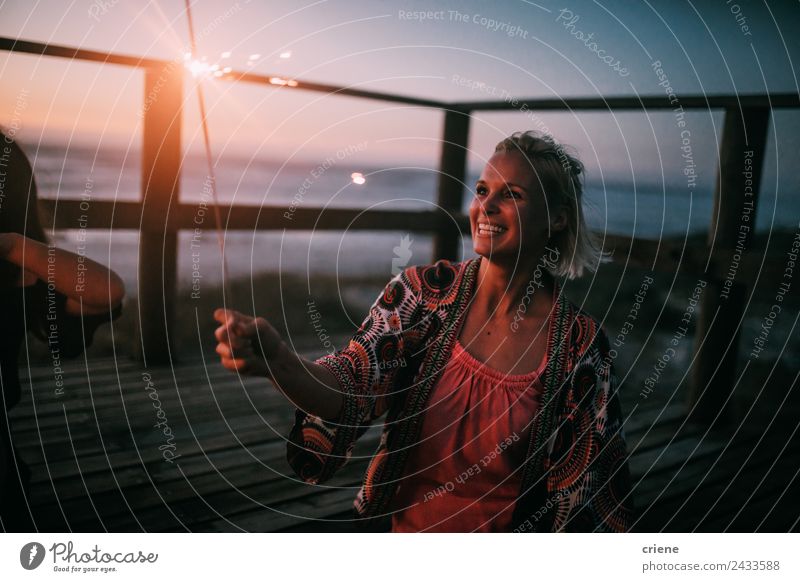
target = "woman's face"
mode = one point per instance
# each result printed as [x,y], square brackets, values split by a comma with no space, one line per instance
[509,214]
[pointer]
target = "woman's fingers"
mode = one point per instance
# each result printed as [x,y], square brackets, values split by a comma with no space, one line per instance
[222,315]
[244,342]
[235,365]
[227,351]
[265,337]
[231,317]
[224,350]
[233,324]
[224,334]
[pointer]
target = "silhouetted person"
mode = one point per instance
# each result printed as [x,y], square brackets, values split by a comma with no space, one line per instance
[59,296]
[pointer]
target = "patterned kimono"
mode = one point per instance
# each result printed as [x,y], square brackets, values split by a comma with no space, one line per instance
[575,476]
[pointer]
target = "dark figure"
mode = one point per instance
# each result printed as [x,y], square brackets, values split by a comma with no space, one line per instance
[57,295]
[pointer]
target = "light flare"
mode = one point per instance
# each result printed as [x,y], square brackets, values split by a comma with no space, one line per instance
[282,82]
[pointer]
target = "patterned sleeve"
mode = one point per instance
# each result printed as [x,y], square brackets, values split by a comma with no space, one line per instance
[365,370]
[590,479]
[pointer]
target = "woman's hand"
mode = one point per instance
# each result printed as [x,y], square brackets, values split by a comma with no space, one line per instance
[250,345]
[246,344]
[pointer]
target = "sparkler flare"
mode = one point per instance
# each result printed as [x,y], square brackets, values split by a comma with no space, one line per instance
[207,143]
[282,82]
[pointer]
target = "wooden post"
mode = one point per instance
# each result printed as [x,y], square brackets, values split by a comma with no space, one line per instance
[161,167]
[452,173]
[732,228]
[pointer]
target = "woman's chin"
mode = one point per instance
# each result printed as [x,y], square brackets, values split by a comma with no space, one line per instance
[486,249]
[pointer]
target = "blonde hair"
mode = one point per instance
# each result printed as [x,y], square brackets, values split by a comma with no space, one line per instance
[559,174]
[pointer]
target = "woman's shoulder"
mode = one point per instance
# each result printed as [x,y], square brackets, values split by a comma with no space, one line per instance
[588,335]
[438,277]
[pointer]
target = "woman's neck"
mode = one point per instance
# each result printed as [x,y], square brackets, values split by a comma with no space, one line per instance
[502,287]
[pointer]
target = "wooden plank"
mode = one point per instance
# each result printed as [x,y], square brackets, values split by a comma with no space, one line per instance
[689,512]
[308,508]
[75,54]
[250,448]
[192,401]
[79,398]
[213,498]
[640,103]
[732,226]
[78,492]
[265,481]
[678,478]
[776,512]
[72,53]
[452,174]
[299,85]
[107,214]
[161,173]
[228,477]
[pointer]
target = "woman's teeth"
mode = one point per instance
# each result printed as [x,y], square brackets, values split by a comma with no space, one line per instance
[490,229]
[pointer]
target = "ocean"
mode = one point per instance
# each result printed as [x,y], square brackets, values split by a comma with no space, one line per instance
[113,174]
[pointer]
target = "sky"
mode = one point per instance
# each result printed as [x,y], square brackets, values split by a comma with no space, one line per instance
[448,51]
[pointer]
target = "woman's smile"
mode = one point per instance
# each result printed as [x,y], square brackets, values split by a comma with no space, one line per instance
[508,213]
[488,229]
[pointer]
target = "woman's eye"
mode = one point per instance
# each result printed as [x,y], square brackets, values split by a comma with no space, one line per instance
[483,191]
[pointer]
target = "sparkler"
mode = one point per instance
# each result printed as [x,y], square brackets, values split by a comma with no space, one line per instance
[200,69]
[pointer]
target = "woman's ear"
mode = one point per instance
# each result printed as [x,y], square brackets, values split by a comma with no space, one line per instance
[559,221]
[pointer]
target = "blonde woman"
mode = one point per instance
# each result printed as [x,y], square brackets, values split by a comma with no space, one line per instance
[504,415]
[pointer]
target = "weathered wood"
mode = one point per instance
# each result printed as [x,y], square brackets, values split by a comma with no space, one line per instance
[452,173]
[718,498]
[640,103]
[732,227]
[107,214]
[274,81]
[75,54]
[161,170]
[103,469]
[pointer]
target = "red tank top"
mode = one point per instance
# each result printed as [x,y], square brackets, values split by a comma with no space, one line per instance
[464,473]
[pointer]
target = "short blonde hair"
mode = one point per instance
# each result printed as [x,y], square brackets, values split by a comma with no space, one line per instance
[559,174]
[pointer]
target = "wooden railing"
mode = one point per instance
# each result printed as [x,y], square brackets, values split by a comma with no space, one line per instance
[159,216]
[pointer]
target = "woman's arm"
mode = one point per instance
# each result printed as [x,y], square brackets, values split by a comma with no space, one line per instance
[252,346]
[89,286]
[589,476]
[337,396]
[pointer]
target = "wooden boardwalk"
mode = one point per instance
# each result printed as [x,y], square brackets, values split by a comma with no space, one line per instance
[98,464]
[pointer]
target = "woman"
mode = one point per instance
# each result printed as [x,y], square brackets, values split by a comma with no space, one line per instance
[503,415]
[59,296]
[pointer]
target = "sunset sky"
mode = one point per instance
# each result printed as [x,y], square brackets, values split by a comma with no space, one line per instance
[523,48]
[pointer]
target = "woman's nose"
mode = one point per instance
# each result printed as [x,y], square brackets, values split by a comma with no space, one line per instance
[490,203]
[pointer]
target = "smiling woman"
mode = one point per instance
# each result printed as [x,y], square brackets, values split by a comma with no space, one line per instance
[543,181]
[498,422]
